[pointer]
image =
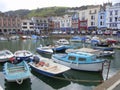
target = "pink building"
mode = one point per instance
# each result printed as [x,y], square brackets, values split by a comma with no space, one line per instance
[9,23]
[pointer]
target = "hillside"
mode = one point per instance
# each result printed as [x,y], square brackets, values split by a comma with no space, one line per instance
[48,11]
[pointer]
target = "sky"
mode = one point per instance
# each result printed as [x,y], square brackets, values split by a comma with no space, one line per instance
[8,5]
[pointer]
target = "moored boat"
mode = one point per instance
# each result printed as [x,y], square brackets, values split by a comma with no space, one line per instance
[23,55]
[87,50]
[5,55]
[105,51]
[16,72]
[79,61]
[62,42]
[47,67]
[44,49]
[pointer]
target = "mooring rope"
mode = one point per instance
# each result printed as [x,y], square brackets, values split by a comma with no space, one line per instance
[76,80]
[19,81]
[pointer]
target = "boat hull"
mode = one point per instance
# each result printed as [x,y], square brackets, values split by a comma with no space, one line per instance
[84,66]
[5,55]
[44,51]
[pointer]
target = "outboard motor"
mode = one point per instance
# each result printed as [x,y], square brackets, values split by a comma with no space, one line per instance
[36,59]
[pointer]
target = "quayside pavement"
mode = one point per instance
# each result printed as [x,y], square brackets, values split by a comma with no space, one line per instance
[112,83]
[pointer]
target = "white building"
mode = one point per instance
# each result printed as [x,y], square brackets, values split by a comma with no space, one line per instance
[90,17]
[66,23]
[27,25]
[93,16]
[113,16]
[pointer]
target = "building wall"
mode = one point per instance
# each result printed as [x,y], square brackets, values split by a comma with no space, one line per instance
[113,16]
[9,23]
[27,25]
[93,16]
[65,22]
[41,24]
[102,19]
[83,17]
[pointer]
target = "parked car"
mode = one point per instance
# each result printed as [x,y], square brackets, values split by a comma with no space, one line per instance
[99,32]
[114,33]
[107,32]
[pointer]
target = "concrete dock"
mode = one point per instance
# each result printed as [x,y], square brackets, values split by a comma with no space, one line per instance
[112,83]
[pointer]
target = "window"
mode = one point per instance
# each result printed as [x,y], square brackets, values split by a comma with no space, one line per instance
[110,19]
[31,23]
[24,23]
[72,58]
[101,23]
[115,19]
[92,23]
[92,17]
[93,58]
[101,17]
[110,13]
[82,59]
[116,12]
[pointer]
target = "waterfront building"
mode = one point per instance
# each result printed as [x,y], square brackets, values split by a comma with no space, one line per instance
[102,19]
[56,24]
[27,25]
[113,16]
[50,24]
[83,20]
[66,23]
[75,22]
[9,24]
[93,17]
[40,24]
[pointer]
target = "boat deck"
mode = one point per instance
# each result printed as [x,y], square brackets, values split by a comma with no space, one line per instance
[16,69]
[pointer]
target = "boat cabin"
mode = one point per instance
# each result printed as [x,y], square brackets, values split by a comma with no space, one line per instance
[80,57]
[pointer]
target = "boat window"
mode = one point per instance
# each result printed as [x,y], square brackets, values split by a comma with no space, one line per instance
[7,53]
[72,58]
[93,58]
[82,59]
[1,54]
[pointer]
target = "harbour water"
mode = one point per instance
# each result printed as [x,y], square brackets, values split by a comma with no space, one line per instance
[70,80]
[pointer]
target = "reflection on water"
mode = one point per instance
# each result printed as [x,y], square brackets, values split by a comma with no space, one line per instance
[26,85]
[71,76]
[53,82]
[84,78]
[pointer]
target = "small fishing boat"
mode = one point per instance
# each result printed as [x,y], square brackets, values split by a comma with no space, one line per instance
[60,48]
[62,42]
[44,49]
[105,51]
[79,61]
[111,41]
[23,55]
[76,39]
[5,55]
[16,72]
[25,37]
[87,50]
[3,38]
[47,67]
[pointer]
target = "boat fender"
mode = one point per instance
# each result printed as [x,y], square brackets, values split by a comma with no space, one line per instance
[12,59]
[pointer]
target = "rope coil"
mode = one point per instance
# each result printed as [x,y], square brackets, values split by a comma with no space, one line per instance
[19,81]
